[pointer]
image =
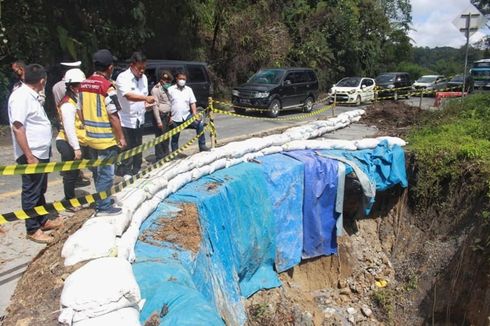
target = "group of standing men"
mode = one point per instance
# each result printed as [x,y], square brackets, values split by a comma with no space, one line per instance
[98,118]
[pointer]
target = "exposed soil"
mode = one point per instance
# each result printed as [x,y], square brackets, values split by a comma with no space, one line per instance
[403,265]
[183,230]
[392,118]
[36,300]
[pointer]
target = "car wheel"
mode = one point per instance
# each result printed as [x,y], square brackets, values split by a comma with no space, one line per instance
[308,106]
[274,108]
[358,100]
[239,110]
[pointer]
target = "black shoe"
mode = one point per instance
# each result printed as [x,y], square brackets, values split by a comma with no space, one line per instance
[82,182]
[204,148]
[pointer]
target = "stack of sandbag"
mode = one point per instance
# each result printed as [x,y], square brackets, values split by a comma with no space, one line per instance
[102,292]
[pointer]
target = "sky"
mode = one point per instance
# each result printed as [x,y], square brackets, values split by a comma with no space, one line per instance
[432,23]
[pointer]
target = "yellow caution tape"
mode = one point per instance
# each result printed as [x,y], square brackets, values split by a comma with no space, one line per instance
[81,164]
[60,206]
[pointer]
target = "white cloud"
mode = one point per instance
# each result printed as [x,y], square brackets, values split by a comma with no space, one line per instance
[433,23]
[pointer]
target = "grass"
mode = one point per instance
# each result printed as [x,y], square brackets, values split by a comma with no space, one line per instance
[452,144]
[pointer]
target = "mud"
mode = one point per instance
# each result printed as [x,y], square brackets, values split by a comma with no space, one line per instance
[392,118]
[183,230]
[36,300]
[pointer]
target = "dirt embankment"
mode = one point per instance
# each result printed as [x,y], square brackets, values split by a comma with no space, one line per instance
[36,300]
[402,265]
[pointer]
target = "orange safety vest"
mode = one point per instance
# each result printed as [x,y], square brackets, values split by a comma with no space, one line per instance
[79,127]
[93,93]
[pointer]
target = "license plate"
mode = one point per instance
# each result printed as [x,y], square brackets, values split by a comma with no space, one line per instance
[244,101]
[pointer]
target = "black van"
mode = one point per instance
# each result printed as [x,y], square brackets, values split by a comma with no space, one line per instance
[393,85]
[276,89]
[197,79]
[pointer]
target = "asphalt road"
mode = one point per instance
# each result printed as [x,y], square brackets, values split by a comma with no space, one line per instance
[228,127]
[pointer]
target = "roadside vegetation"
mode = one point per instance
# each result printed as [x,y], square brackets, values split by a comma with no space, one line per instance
[452,147]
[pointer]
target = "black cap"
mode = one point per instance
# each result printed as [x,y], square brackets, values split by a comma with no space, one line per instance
[103,58]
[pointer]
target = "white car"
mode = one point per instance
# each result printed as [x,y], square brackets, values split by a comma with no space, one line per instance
[430,82]
[355,90]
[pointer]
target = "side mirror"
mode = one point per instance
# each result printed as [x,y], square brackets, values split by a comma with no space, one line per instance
[363,86]
[287,82]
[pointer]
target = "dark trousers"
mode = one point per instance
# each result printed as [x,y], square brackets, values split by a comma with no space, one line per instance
[198,125]
[34,187]
[134,138]
[69,177]
[162,149]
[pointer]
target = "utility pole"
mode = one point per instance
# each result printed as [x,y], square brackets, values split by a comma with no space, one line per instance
[468,30]
[468,23]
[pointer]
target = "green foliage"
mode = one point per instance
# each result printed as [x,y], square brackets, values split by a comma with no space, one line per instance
[445,60]
[384,299]
[452,145]
[336,38]
[413,69]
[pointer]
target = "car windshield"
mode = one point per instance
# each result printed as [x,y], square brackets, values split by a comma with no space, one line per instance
[349,82]
[269,76]
[427,79]
[458,79]
[385,78]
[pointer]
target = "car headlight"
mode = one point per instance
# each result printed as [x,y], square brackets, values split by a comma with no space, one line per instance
[235,93]
[391,86]
[352,91]
[262,94]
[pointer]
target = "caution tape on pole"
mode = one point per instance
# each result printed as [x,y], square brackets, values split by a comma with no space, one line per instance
[60,206]
[82,164]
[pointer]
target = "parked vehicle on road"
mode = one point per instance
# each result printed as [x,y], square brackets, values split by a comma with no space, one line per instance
[480,72]
[197,78]
[393,85]
[456,84]
[276,89]
[430,83]
[355,90]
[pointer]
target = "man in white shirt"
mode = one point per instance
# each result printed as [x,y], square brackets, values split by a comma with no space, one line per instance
[183,107]
[132,92]
[31,135]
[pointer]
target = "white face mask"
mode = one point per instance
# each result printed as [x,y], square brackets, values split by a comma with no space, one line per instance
[181,82]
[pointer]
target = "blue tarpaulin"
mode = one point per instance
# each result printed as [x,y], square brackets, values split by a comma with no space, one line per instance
[319,215]
[251,216]
[238,249]
[285,179]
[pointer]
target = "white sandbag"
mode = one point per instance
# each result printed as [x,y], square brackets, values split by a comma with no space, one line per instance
[366,143]
[344,144]
[119,222]
[125,246]
[218,165]
[393,140]
[200,172]
[355,119]
[294,145]
[271,150]
[95,239]
[97,288]
[318,144]
[180,180]
[278,140]
[122,317]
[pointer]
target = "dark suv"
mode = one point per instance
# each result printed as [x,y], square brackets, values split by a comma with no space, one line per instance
[197,79]
[394,85]
[276,89]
